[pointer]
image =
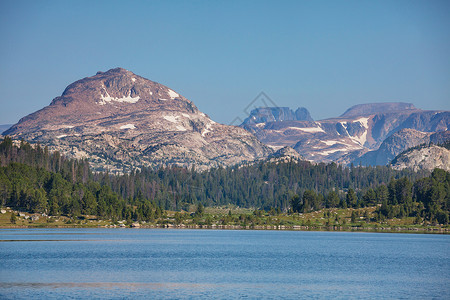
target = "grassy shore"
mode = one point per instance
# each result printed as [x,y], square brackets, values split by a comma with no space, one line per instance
[330,219]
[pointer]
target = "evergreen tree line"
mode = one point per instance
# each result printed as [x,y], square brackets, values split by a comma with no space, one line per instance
[36,180]
[427,198]
[262,185]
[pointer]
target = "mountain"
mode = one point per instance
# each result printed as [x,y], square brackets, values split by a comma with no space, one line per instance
[121,121]
[375,108]
[277,114]
[425,157]
[360,129]
[4,127]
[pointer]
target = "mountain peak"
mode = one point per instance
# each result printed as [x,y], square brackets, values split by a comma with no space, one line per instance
[118,70]
[115,70]
[275,114]
[116,89]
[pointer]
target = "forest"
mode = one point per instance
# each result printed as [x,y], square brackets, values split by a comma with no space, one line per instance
[36,180]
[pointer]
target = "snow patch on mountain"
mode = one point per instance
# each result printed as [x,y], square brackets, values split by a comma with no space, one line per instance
[361,140]
[173,119]
[308,129]
[364,122]
[128,126]
[207,129]
[172,94]
[126,99]
[331,143]
[328,152]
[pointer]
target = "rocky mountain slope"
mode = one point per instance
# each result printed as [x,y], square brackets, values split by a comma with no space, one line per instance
[426,157]
[360,129]
[397,143]
[121,121]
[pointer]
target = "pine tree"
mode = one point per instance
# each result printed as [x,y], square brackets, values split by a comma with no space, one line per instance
[351,198]
[13,218]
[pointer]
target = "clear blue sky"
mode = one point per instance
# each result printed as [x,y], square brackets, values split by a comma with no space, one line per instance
[323,55]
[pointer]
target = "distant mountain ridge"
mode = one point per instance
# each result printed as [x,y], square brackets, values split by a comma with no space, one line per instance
[375,108]
[120,121]
[348,138]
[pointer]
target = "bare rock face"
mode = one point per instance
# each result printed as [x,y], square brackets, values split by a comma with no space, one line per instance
[347,139]
[423,158]
[121,121]
[392,146]
[398,142]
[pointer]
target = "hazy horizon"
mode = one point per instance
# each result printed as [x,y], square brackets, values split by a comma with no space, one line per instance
[323,55]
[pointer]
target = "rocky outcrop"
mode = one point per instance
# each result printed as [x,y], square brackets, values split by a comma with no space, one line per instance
[397,143]
[121,121]
[285,153]
[426,157]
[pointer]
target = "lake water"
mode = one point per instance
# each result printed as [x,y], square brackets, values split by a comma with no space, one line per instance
[174,264]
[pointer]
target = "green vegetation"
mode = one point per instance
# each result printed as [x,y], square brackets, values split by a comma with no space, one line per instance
[57,191]
[262,185]
[36,181]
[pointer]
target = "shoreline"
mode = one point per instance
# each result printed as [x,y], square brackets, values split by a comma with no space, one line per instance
[258,228]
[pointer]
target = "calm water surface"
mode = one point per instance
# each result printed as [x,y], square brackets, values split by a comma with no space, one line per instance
[173,264]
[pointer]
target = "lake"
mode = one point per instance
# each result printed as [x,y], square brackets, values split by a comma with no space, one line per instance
[224,264]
